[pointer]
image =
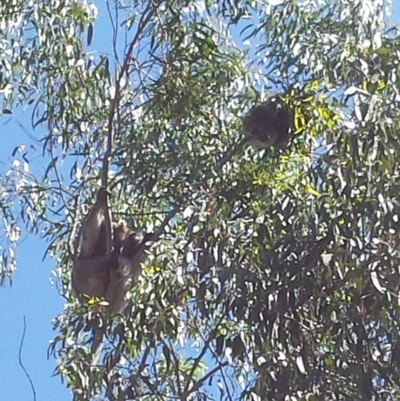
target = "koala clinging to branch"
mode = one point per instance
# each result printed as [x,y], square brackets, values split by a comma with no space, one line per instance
[268,124]
[131,254]
[100,272]
[103,272]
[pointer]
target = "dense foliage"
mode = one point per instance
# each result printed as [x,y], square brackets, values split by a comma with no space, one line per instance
[277,274]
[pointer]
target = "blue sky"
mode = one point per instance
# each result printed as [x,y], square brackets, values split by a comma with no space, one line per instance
[32,296]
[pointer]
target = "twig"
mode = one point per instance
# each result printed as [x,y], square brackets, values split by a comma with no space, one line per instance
[21,363]
[206,347]
[236,149]
[201,381]
[165,222]
[75,234]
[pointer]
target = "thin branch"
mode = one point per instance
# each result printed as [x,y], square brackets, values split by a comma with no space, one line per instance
[206,347]
[110,135]
[115,103]
[21,363]
[235,149]
[114,28]
[176,368]
[165,222]
[201,381]
[216,356]
[75,234]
